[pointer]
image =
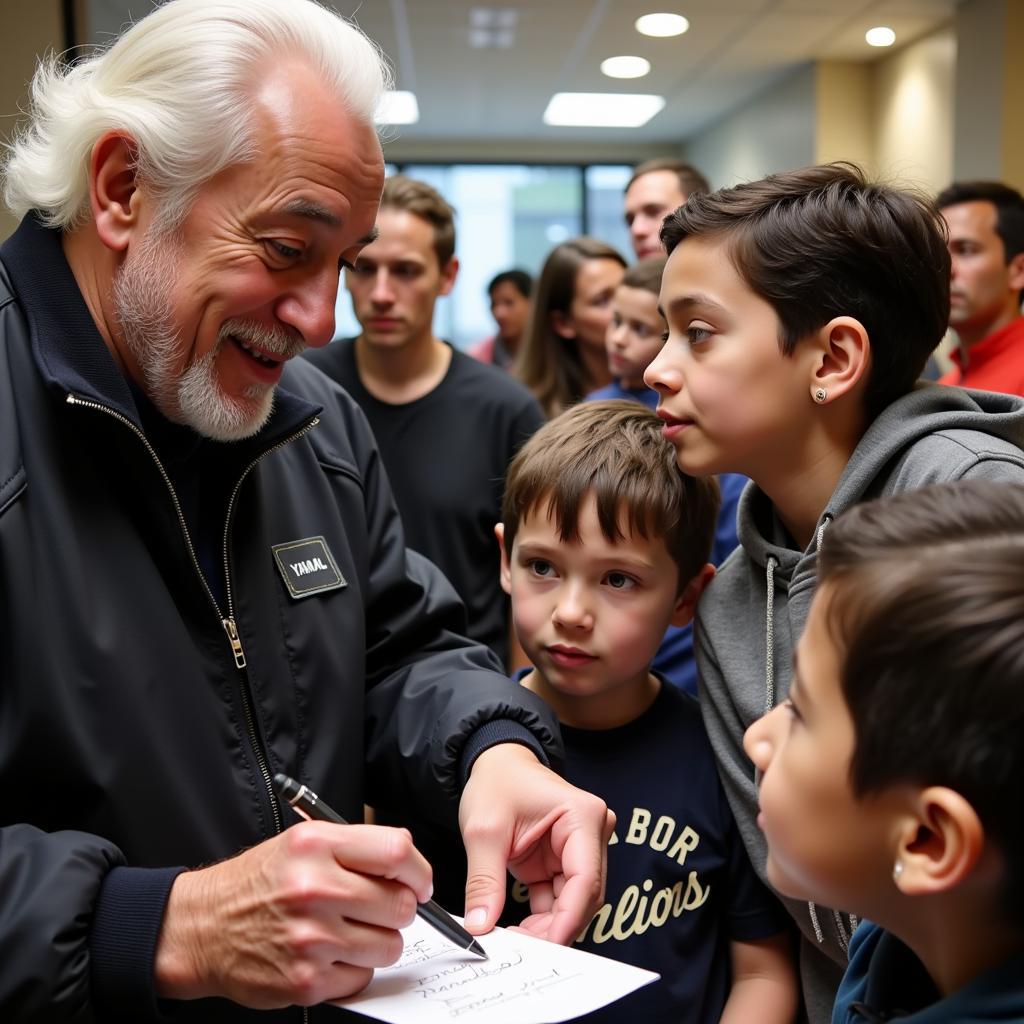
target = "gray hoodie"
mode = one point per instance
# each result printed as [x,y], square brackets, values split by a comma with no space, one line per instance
[754,611]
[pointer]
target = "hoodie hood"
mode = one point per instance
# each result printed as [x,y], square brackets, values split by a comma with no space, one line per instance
[892,457]
[933,434]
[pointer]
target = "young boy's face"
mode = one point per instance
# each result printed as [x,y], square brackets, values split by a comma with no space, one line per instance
[731,401]
[824,844]
[590,615]
[634,335]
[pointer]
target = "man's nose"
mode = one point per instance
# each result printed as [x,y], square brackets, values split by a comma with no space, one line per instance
[309,308]
[383,294]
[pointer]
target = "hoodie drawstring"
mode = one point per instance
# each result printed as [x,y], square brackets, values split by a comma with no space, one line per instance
[769,638]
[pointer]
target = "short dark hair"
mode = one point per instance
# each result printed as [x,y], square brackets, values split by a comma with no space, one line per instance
[423,200]
[823,242]
[927,610]
[691,181]
[519,279]
[615,451]
[645,275]
[1009,204]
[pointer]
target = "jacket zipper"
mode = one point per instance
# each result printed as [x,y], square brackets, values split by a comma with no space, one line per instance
[232,631]
[228,622]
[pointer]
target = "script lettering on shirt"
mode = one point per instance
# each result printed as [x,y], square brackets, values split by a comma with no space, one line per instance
[639,906]
[637,909]
[307,566]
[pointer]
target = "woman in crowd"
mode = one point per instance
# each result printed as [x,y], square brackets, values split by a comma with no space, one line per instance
[562,357]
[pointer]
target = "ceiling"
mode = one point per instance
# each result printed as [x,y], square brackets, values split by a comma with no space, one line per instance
[733,50]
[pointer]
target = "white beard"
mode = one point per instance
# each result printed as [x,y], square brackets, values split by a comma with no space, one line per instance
[193,397]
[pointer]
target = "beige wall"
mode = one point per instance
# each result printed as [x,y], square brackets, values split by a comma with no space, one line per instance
[893,117]
[912,107]
[30,28]
[772,133]
[843,113]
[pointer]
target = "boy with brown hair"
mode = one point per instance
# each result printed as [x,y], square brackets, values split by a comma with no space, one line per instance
[604,544]
[890,777]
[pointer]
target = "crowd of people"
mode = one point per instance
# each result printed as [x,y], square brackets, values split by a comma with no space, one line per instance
[680,619]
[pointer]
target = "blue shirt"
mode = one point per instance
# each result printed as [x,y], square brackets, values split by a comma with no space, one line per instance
[648,396]
[884,980]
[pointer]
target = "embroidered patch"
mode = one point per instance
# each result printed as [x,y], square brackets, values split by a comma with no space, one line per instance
[307,567]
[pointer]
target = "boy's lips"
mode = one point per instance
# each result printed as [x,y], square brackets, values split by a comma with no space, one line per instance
[673,424]
[569,657]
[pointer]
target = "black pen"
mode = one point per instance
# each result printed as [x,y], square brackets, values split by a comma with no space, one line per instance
[310,806]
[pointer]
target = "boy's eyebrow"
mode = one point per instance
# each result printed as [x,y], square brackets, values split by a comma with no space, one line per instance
[682,303]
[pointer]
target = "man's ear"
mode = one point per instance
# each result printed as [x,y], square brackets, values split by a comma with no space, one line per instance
[941,842]
[842,356]
[448,274]
[686,603]
[506,570]
[561,326]
[1016,270]
[114,195]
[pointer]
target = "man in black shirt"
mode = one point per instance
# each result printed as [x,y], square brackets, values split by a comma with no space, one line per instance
[447,426]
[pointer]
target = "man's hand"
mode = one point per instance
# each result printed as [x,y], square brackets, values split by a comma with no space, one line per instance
[299,919]
[520,816]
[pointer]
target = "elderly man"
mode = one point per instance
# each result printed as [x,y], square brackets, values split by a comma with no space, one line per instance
[204,577]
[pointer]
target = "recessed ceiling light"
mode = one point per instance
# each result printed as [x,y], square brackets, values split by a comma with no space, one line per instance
[397,107]
[601,109]
[661,25]
[625,67]
[880,36]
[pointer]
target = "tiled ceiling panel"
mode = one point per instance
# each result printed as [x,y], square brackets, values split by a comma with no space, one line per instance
[733,50]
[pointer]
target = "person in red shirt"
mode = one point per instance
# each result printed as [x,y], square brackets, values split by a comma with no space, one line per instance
[986,242]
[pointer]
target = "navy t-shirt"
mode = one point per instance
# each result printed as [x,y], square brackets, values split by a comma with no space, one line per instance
[680,886]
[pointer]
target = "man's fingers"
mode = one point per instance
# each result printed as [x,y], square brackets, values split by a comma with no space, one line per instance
[374,851]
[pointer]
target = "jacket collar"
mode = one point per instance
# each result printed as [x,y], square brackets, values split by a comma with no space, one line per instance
[70,352]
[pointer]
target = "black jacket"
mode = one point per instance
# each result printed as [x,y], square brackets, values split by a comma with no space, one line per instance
[135,736]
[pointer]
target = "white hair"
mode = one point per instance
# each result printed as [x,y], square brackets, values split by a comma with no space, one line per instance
[180,83]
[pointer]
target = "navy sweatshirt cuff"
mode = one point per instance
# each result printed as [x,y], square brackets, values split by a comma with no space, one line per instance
[122,942]
[502,730]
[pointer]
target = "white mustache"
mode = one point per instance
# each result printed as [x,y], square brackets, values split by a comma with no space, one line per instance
[273,342]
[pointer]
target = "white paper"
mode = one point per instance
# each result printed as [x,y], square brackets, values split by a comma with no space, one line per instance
[524,981]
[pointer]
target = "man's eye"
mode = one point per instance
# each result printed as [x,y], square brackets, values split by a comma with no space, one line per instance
[620,581]
[285,251]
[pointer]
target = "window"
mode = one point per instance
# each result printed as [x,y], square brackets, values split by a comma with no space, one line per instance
[510,215]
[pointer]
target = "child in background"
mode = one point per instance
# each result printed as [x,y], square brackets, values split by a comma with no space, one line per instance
[801,311]
[634,335]
[890,778]
[604,543]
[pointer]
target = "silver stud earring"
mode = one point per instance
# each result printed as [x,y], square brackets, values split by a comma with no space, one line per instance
[897,871]
[820,395]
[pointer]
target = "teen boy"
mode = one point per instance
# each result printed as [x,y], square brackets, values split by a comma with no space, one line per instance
[604,543]
[801,310]
[890,778]
[634,338]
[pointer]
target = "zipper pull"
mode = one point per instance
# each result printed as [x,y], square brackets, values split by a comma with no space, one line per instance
[236,643]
